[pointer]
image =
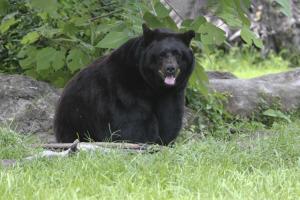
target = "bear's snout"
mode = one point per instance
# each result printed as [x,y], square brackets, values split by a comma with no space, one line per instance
[170,70]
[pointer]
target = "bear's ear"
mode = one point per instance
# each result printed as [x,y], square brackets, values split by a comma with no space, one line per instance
[187,37]
[148,34]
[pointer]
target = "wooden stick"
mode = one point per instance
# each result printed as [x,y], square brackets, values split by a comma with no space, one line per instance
[76,146]
[111,145]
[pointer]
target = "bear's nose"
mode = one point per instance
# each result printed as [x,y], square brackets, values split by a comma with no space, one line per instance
[170,70]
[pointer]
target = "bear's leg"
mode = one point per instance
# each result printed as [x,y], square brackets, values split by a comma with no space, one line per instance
[133,127]
[67,131]
[169,113]
[70,124]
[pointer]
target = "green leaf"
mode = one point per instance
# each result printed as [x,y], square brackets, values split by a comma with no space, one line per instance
[152,21]
[231,20]
[246,35]
[60,78]
[195,24]
[231,12]
[245,4]
[59,61]
[50,7]
[113,40]
[241,12]
[169,23]
[210,34]
[48,58]
[49,32]
[27,63]
[104,28]
[199,79]
[7,23]
[249,37]
[44,58]
[27,57]
[79,20]
[69,28]
[30,37]
[77,59]
[286,7]
[198,22]
[4,5]
[59,82]
[32,73]
[186,24]
[161,10]
[258,42]
[276,114]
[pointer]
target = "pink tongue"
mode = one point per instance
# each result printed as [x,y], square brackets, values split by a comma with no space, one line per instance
[170,80]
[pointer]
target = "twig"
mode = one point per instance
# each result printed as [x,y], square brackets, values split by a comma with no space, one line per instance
[106,15]
[98,144]
[76,146]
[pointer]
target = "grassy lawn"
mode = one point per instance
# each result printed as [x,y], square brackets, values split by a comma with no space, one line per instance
[256,163]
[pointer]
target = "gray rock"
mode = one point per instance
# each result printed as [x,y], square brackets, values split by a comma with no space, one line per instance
[220,75]
[27,106]
[245,95]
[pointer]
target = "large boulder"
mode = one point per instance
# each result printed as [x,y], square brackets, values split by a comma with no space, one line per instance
[246,95]
[27,105]
[220,75]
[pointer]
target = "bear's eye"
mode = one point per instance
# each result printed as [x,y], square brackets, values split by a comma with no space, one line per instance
[162,54]
[177,54]
[184,56]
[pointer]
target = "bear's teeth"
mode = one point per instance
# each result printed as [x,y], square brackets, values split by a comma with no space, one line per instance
[170,80]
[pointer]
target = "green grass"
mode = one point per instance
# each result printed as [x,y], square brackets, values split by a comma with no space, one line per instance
[245,63]
[256,163]
[13,145]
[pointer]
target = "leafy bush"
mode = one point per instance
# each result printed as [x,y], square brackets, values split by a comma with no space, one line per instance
[210,111]
[53,41]
[270,111]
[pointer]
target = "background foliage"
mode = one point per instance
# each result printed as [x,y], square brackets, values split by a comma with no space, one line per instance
[52,41]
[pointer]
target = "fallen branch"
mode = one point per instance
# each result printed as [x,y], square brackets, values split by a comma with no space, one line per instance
[110,145]
[76,146]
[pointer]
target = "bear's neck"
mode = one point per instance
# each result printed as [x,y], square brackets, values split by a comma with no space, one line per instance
[126,66]
[129,54]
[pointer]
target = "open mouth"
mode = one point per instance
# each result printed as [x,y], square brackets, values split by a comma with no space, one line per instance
[169,79]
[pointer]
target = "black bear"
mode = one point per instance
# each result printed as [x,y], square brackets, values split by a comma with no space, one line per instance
[135,94]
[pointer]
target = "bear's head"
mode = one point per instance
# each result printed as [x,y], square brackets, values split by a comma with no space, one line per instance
[167,60]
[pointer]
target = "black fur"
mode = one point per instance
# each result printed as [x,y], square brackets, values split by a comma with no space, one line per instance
[123,96]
